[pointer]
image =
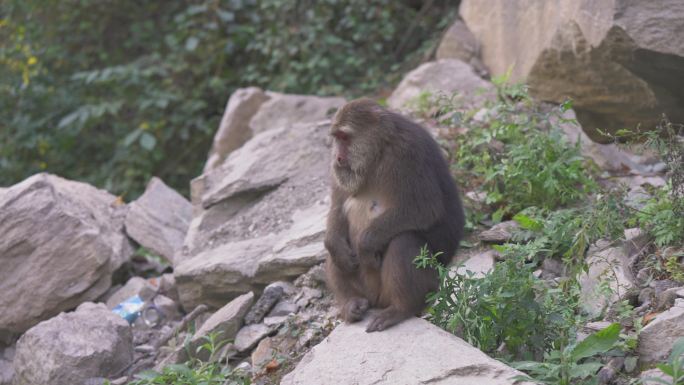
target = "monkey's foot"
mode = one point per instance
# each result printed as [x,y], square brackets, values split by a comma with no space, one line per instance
[385,319]
[355,309]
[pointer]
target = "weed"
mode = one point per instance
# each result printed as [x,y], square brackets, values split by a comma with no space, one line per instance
[674,367]
[573,364]
[195,371]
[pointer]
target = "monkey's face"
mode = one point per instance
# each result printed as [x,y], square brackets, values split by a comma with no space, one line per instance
[353,156]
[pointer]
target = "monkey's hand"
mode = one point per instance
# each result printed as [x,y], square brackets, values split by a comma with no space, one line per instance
[342,255]
[370,250]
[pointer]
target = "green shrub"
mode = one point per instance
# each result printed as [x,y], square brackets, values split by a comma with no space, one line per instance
[113,92]
[517,154]
[509,305]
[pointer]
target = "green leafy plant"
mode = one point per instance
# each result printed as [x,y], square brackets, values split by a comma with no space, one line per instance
[518,155]
[196,371]
[674,367]
[112,93]
[501,307]
[573,364]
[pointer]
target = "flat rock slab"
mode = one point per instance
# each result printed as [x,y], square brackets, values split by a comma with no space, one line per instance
[413,352]
[60,241]
[73,347]
[159,219]
[219,274]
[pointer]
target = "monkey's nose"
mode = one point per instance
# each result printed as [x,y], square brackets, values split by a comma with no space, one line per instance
[341,161]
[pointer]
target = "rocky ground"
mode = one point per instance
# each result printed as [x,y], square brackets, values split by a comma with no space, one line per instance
[240,264]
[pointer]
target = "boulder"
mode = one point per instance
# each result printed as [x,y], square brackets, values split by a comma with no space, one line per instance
[606,264]
[459,43]
[159,219]
[60,241]
[656,338]
[234,130]
[73,347]
[622,62]
[259,218]
[282,110]
[413,352]
[251,111]
[442,77]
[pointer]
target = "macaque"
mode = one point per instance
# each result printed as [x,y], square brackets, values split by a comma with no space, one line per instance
[392,194]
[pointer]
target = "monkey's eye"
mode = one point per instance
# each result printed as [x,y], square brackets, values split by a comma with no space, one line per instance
[343,136]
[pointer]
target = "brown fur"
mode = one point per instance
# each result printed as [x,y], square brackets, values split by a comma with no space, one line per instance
[392,194]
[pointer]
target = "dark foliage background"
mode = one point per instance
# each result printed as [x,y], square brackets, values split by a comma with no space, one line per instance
[113,92]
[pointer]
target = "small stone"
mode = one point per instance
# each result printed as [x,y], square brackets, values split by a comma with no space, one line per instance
[662,285]
[305,340]
[598,325]
[244,367]
[283,308]
[167,307]
[250,335]
[271,295]
[167,287]
[476,196]
[275,321]
[263,353]
[313,278]
[226,321]
[552,268]
[135,286]
[144,348]
[647,376]
[666,299]
[307,295]
[226,352]
[119,381]
[479,263]
[646,295]
[499,233]
[680,293]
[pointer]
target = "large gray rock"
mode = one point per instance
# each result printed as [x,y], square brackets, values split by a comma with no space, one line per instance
[656,338]
[159,219]
[88,343]
[60,241]
[283,110]
[442,77]
[251,111]
[234,130]
[413,352]
[260,217]
[622,62]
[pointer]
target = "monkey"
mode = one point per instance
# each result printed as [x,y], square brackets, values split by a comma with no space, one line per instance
[392,194]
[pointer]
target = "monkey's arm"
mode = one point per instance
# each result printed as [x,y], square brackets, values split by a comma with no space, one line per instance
[337,234]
